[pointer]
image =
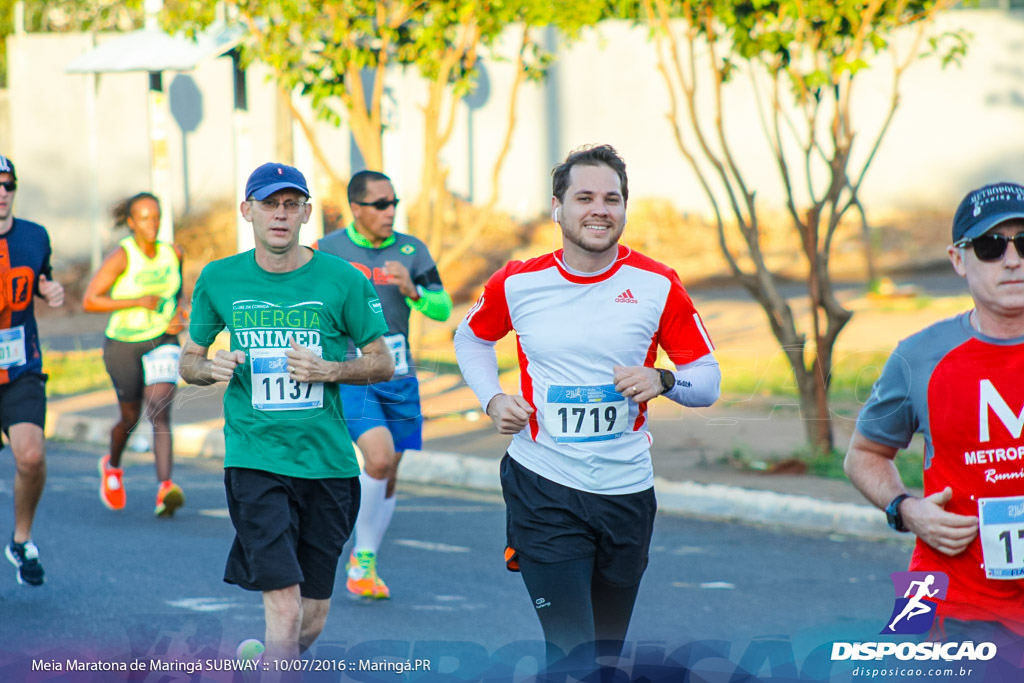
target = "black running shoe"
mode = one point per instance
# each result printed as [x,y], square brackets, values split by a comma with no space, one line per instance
[25,556]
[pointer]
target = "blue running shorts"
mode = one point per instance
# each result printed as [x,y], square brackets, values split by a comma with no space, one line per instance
[394,404]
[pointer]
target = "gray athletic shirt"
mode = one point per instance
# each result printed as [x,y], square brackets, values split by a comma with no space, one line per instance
[962,391]
[410,252]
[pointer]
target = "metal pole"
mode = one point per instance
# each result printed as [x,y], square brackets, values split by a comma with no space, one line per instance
[91,85]
[160,163]
[242,137]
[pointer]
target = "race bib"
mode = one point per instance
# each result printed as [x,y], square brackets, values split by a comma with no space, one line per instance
[396,345]
[1001,522]
[273,389]
[398,349]
[12,347]
[585,413]
[161,365]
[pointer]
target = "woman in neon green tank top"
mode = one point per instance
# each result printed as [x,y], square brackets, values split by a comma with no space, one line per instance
[139,284]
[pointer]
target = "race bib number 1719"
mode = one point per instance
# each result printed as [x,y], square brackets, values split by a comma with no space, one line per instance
[585,413]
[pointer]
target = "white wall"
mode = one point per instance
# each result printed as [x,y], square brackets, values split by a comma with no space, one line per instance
[955,129]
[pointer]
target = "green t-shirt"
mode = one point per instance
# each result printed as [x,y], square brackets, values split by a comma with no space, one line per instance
[272,423]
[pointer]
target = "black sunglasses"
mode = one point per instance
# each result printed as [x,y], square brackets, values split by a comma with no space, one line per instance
[992,247]
[9,185]
[380,204]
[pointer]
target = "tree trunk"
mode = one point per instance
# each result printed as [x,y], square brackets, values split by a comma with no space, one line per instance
[814,408]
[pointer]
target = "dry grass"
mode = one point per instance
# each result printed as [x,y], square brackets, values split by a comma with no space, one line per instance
[206,236]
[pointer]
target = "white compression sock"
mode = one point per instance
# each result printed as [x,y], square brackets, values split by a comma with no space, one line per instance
[387,509]
[372,520]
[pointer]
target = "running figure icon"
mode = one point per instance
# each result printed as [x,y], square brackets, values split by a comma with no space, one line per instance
[916,606]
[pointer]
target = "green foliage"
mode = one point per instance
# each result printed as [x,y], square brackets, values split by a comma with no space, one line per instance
[74,15]
[950,47]
[815,43]
[317,47]
[67,15]
[910,465]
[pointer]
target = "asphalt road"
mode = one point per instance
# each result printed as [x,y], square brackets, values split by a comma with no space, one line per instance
[125,585]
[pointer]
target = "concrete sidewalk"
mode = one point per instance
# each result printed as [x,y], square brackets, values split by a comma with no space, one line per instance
[694,453]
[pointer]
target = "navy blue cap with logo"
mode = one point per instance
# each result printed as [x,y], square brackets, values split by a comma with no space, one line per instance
[272,177]
[7,166]
[985,208]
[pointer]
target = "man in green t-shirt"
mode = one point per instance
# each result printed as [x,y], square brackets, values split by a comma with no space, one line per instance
[291,474]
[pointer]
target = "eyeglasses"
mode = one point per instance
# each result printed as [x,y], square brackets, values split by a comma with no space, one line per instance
[9,185]
[993,247]
[290,205]
[380,204]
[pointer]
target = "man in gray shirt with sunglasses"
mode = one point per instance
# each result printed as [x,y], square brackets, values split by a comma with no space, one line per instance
[385,419]
[958,383]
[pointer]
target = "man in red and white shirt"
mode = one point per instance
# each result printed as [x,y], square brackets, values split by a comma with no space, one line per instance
[957,383]
[577,478]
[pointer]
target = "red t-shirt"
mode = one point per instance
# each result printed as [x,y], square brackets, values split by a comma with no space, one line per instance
[965,394]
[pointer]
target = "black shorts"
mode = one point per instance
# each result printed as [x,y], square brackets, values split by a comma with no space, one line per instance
[548,522]
[288,530]
[23,400]
[123,361]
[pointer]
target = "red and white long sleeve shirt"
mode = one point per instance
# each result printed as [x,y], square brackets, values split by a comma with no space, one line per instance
[572,330]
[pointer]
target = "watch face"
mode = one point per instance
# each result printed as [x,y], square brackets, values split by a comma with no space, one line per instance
[668,380]
[891,518]
[892,514]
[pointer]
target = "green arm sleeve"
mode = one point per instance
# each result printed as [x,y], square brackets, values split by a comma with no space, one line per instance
[436,305]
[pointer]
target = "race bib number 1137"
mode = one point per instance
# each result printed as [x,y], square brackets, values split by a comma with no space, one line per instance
[273,389]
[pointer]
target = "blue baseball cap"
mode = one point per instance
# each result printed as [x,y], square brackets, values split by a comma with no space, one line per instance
[985,208]
[271,177]
[7,166]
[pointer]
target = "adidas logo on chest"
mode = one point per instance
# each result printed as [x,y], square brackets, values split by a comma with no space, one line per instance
[626,298]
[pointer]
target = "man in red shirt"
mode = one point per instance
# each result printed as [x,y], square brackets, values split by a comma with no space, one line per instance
[958,383]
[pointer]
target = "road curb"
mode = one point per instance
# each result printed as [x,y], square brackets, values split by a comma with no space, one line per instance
[802,513]
[707,501]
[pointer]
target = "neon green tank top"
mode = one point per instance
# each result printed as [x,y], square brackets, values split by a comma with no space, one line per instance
[158,276]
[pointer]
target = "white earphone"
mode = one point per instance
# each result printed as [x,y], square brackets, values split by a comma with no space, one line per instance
[555,215]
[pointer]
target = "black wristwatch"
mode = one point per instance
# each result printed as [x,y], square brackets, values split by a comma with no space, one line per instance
[668,380]
[892,512]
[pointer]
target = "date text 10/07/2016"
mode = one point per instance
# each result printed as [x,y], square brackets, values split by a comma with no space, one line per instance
[397,666]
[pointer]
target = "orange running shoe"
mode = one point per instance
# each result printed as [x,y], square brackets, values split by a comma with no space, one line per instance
[169,498]
[362,576]
[111,485]
[381,590]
